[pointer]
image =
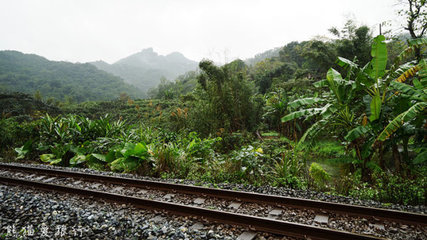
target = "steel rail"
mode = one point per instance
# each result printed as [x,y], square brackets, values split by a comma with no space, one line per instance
[257,223]
[387,214]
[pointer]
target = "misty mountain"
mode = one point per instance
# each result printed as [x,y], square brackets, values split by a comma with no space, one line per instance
[264,55]
[82,82]
[145,69]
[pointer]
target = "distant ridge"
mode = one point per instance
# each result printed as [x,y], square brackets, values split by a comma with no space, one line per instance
[264,55]
[145,68]
[79,82]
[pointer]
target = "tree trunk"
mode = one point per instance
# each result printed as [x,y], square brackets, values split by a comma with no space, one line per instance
[396,157]
[364,169]
[405,150]
[381,156]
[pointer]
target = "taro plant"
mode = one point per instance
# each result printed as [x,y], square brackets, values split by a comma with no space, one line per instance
[74,140]
[127,158]
[200,149]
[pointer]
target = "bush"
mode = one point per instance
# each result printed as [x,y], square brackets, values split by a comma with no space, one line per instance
[14,133]
[391,189]
[318,176]
[290,168]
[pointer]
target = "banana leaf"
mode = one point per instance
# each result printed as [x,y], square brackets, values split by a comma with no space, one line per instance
[421,158]
[312,131]
[402,118]
[305,113]
[379,57]
[345,63]
[304,101]
[375,108]
[356,132]
[406,89]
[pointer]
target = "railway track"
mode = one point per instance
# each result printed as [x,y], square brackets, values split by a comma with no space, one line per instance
[120,189]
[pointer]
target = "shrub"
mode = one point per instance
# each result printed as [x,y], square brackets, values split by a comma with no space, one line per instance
[289,170]
[318,176]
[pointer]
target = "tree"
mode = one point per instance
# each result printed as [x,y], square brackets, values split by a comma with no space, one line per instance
[353,41]
[319,56]
[226,97]
[265,71]
[38,96]
[416,16]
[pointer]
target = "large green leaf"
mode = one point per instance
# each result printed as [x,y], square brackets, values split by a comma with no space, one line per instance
[24,150]
[99,157]
[321,83]
[46,157]
[417,84]
[312,131]
[128,149]
[350,66]
[413,93]
[50,158]
[111,156]
[397,122]
[140,149]
[356,133]
[301,113]
[345,63]
[375,107]
[379,57]
[363,78]
[304,101]
[125,164]
[305,113]
[117,165]
[335,80]
[77,159]
[421,157]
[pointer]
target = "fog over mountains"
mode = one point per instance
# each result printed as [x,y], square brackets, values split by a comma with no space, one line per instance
[145,69]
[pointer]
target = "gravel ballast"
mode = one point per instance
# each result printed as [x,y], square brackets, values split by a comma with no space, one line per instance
[31,214]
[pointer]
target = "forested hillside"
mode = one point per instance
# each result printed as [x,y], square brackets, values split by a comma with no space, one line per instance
[30,73]
[261,56]
[343,114]
[298,63]
[146,68]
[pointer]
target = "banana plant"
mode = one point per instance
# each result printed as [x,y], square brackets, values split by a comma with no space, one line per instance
[358,105]
[419,99]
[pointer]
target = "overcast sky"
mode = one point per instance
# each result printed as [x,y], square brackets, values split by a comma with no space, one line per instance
[89,30]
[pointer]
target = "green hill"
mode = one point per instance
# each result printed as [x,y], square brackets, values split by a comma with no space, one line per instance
[264,55]
[21,104]
[29,73]
[145,69]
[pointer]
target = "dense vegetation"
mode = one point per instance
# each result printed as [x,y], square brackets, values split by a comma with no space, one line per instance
[59,81]
[345,116]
